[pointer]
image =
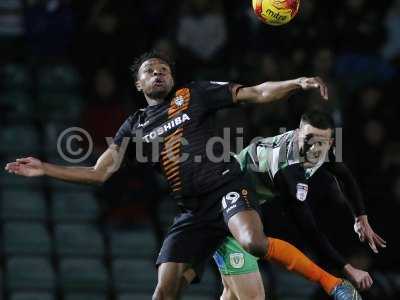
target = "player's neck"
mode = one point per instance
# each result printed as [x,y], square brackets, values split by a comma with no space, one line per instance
[154,101]
[157,99]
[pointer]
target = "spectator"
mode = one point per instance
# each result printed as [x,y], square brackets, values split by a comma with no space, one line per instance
[50,26]
[201,31]
[105,111]
[11,27]
[360,28]
[391,49]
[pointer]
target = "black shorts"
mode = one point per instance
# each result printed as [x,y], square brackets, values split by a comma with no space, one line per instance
[196,234]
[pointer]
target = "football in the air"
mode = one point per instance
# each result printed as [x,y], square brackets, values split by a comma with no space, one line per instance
[276,12]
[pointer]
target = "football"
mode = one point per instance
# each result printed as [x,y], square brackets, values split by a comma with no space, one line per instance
[276,12]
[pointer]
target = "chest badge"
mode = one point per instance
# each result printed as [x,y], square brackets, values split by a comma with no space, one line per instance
[302,190]
[179,101]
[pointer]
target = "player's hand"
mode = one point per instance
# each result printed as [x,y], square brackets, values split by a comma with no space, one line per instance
[360,278]
[366,233]
[28,166]
[307,83]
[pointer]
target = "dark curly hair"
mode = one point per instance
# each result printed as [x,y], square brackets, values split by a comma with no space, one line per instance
[134,68]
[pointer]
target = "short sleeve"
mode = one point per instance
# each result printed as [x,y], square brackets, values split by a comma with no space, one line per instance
[216,95]
[125,131]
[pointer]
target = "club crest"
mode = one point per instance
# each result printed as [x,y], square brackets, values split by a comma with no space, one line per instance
[302,190]
[236,260]
[179,101]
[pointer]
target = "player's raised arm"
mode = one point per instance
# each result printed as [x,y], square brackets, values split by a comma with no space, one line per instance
[108,163]
[273,91]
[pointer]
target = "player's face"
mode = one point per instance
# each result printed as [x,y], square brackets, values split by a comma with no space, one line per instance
[155,79]
[314,144]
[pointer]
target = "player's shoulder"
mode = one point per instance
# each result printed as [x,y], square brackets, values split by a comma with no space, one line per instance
[288,135]
[277,140]
[134,117]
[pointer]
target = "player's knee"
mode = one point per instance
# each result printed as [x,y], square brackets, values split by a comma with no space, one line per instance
[255,295]
[165,293]
[253,244]
[227,294]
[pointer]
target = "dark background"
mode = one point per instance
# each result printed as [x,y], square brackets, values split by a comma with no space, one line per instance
[66,63]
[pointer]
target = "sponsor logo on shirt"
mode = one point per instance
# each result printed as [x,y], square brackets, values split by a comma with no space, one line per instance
[302,190]
[165,128]
[236,260]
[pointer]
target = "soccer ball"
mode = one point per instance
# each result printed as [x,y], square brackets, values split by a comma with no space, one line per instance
[276,12]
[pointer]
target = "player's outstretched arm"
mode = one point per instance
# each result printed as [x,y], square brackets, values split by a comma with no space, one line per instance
[303,217]
[355,199]
[108,163]
[273,91]
[305,221]
[366,233]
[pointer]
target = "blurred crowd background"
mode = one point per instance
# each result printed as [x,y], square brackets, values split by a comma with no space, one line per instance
[65,63]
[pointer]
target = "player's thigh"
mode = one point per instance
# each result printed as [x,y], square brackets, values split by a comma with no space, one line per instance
[246,222]
[238,270]
[247,228]
[245,287]
[240,209]
[188,277]
[227,293]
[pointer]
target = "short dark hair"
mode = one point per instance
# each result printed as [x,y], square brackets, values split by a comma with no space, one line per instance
[134,68]
[319,119]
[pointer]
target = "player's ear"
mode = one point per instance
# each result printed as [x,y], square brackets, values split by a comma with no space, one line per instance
[138,86]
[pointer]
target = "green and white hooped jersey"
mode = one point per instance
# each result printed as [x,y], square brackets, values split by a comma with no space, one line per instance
[262,160]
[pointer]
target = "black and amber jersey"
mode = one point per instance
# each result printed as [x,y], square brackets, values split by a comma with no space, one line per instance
[179,135]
